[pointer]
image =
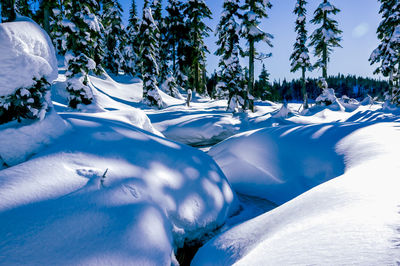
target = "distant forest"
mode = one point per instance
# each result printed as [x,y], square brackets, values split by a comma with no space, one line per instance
[281,90]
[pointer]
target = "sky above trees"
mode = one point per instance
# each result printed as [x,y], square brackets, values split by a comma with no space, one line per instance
[358,19]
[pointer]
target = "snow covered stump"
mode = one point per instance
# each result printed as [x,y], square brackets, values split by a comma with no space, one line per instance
[27,65]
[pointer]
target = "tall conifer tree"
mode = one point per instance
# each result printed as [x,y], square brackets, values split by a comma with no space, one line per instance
[327,36]
[255,10]
[196,11]
[84,54]
[388,51]
[149,67]
[229,49]
[114,35]
[300,58]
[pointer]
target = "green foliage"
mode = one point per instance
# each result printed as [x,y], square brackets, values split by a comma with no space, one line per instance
[327,36]
[229,49]
[114,36]
[149,67]
[196,11]
[26,103]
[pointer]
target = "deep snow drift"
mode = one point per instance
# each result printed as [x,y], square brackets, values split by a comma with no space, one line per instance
[352,219]
[122,195]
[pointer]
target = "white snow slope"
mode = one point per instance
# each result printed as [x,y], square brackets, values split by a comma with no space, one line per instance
[353,219]
[60,208]
[26,53]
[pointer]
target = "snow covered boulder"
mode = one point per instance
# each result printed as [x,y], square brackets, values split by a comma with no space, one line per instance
[27,65]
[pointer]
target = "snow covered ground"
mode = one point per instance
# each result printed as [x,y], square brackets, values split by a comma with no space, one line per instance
[111,184]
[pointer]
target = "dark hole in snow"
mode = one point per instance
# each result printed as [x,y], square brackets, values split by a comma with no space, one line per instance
[185,254]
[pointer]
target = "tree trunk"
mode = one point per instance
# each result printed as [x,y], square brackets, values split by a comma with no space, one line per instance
[325,54]
[251,65]
[304,88]
[8,10]
[46,16]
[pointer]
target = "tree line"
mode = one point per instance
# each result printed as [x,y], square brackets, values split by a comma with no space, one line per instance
[169,51]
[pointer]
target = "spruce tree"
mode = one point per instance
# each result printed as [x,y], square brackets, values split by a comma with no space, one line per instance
[388,51]
[149,67]
[196,11]
[84,54]
[300,58]
[178,41]
[24,8]
[170,87]
[56,29]
[230,74]
[263,84]
[114,35]
[8,10]
[327,36]
[162,54]
[255,11]
[131,47]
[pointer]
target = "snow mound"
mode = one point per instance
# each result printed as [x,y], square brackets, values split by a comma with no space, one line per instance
[280,163]
[368,100]
[125,197]
[26,53]
[352,219]
[284,112]
[19,141]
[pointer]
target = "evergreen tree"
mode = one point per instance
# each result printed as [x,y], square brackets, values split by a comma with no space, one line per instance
[255,11]
[196,11]
[162,54]
[8,10]
[148,50]
[131,47]
[24,8]
[84,54]
[114,35]
[300,58]
[170,87]
[327,36]
[261,88]
[228,41]
[178,40]
[56,28]
[174,25]
[388,51]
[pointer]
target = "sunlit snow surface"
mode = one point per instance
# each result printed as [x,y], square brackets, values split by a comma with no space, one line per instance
[102,186]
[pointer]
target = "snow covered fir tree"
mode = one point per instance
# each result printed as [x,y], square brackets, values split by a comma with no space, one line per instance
[151,139]
[388,51]
[84,53]
[148,49]
[196,12]
[300,59]
[255,10]
[229,49]
[326,36]
[114,36]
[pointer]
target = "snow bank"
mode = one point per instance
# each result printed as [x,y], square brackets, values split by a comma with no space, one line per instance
[26,53]
[19,141]
[352,219]
[124,197]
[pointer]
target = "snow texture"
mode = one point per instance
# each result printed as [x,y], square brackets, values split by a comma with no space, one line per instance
[352,219]
[26,53]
